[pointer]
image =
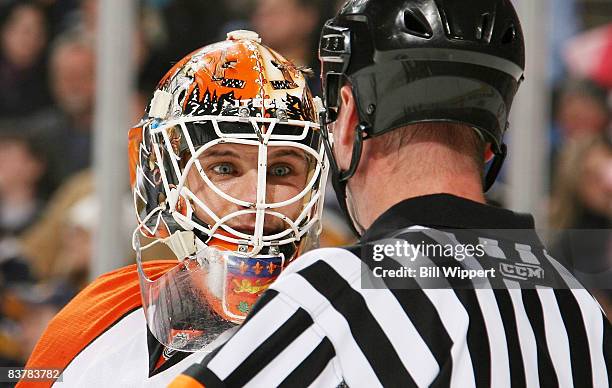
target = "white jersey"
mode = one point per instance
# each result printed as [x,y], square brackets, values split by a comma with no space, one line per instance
[100,338]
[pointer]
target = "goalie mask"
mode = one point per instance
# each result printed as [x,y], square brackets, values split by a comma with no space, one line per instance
[228,170]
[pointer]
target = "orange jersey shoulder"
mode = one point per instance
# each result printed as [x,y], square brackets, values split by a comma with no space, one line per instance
[94,310]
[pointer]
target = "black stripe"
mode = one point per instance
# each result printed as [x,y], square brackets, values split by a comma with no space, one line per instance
[607,346]
[477,338]
[549,268]
[366,331]
[211,355]
[574,325]
[204,376]
[428,324]
[270,348]
[533,308]
[477,335]
[517,369]
[261,302]
[311,367]
[506,311]
[578,341]
[424,317]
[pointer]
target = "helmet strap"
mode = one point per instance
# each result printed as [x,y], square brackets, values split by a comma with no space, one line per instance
[496,165]
[340,178]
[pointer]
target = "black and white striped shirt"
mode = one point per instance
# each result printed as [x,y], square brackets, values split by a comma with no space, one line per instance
[320,325]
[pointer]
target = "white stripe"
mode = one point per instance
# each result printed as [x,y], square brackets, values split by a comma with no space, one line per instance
[593,323]
[251,335]
[498,346]
[452,313]
[526,254]
[500,362]
[357,369]
[343,261]
[527,339]
[388,313]
[556,337]
[491,248]
[329,377]
[404,337]
[456,321]
[287,360]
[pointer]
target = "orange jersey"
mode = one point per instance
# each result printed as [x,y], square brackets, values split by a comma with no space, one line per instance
[101,337]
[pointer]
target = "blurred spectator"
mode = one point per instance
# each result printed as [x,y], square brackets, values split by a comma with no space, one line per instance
[76,242]
[40,244]
[89,15]
[292,27]
[33,323]
[67,126]
[24,314]
[23,165]
[581,212]
[59,14]
[59,246]
[582,109]
[23,38]
[190,24]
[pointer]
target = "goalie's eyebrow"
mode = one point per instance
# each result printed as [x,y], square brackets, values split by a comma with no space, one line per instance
[221,154]
[278,153]
[291,153]
[285,152]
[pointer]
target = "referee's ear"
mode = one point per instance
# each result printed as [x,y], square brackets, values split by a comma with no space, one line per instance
[344,127]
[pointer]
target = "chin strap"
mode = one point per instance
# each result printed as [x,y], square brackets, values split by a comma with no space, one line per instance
[496,165]
[182,244]
[340,178]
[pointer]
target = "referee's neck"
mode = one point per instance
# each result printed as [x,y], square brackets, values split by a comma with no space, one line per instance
[382,183]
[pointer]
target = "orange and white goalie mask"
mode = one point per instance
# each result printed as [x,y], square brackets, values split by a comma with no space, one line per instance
[228,170]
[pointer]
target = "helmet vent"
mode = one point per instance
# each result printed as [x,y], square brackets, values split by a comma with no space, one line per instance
[416,24]
[509,35]
[485,29]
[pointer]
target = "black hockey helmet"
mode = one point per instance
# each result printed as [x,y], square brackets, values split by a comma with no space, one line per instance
[414,61]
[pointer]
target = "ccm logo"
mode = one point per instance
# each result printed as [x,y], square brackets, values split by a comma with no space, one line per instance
[521,271]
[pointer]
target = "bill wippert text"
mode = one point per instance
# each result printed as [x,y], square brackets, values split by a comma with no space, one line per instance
[433,272]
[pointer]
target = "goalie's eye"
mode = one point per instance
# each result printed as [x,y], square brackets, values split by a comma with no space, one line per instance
[223,169]
[280,170]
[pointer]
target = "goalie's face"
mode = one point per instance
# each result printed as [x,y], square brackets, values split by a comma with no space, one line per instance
[234,169]
[228,170]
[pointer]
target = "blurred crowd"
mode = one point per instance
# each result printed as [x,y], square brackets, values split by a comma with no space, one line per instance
[48,206]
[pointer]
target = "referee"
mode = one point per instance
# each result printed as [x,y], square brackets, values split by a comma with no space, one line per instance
[443,290]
